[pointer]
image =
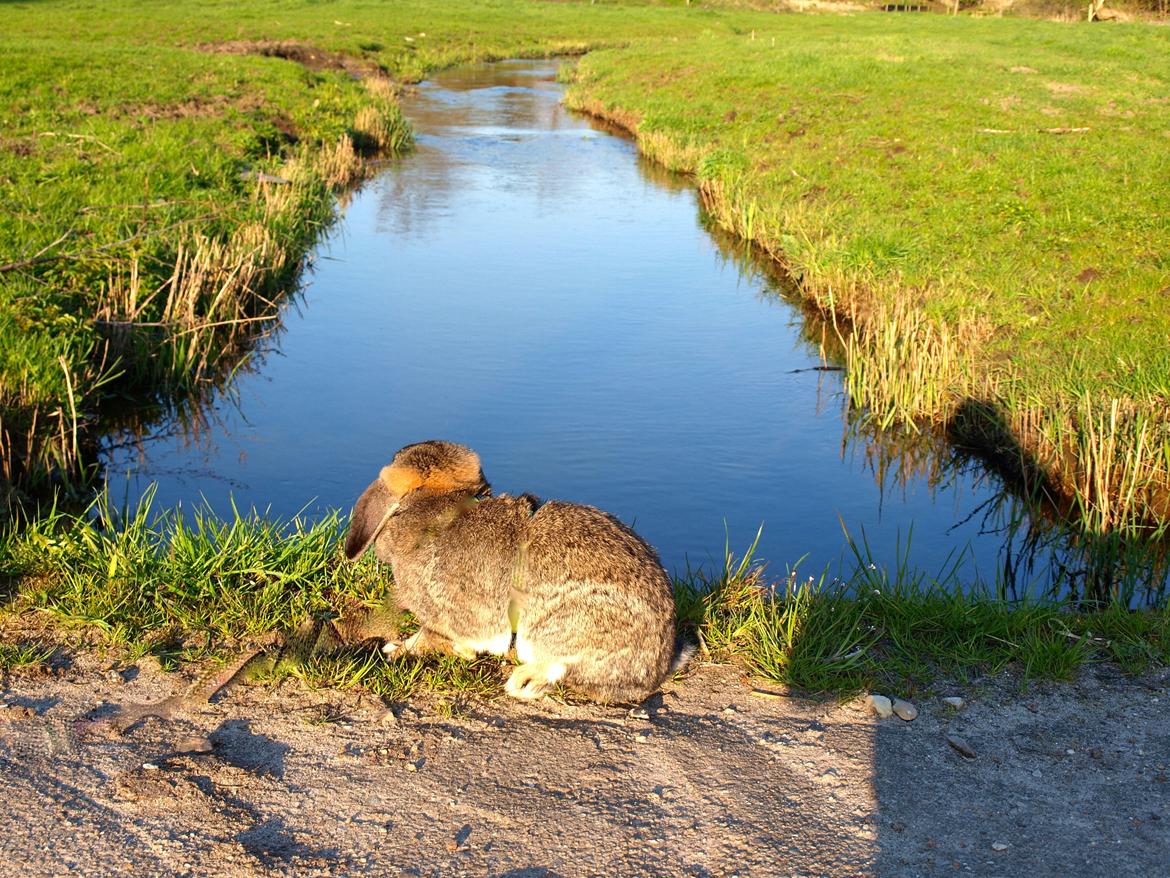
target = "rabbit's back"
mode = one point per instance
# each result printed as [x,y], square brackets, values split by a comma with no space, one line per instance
[595,596]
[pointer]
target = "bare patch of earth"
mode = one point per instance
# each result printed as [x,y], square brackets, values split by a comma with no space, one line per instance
[714,779]
[312,57]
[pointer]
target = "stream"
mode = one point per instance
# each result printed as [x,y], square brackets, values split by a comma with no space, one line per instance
[524,283]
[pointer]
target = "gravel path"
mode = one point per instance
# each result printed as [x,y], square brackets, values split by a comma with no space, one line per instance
[715,780]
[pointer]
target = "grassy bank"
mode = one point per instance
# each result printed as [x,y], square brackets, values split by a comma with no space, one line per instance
[189,588]
[157,205]
[163,171]
[978,205]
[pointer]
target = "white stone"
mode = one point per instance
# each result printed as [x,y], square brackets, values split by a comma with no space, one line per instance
[881,705]
[905,710]
[953,701]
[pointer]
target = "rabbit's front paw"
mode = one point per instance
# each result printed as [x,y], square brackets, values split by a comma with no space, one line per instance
[531,681]
[405,647]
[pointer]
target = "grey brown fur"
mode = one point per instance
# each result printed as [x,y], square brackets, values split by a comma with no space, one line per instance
[593,606]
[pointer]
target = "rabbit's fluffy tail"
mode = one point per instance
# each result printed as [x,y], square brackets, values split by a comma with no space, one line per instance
[684,651]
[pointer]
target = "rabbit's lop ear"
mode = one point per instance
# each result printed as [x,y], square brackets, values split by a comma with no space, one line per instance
[369,515]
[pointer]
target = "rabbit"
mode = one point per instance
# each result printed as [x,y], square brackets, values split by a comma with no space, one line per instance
[587,600]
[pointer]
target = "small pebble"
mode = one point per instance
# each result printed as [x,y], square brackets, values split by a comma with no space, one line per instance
[953,701]
[881,705]
[998,846]
[729,709]
[410,766]
[905,710]
[195,744]
[641,739]
[961,747]
[150,766]
[639,713]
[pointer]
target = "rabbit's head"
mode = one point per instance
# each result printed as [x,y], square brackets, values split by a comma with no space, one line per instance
[419,470]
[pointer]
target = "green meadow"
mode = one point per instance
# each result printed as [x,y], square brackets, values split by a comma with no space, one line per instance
[977,207]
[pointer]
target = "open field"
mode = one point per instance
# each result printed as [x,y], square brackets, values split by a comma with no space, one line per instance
[926,180]
[910,173]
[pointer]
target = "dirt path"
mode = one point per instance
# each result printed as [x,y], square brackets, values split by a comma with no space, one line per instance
[716,781]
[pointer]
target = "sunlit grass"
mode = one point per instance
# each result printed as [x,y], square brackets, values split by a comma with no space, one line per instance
[24,654]
[939,187]
[185,586]
[902,626]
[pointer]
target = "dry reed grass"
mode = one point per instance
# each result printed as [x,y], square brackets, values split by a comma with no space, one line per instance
[220,293]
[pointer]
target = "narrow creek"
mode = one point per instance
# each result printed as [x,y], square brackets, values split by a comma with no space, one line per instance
[525,284]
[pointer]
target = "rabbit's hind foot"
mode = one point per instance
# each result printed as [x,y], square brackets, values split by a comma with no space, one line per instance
[533,680]
[420,642]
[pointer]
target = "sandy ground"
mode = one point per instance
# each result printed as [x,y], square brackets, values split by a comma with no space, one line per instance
[714,780]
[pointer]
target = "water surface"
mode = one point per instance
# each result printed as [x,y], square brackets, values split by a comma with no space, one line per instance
[525,284]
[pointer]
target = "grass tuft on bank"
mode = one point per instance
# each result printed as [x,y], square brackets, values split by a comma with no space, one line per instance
[185,587]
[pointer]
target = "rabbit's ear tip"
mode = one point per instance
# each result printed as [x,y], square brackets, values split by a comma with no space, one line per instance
[367,513]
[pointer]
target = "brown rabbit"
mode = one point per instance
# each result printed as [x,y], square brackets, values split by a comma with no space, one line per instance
[587,599]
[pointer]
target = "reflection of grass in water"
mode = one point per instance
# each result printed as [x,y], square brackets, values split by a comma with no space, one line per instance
[1047,545]
[182,588]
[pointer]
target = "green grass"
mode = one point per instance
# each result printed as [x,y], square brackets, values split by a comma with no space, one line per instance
[137,246]
[911,175]
[983,272]
[904,629]
[24,654]
[185,588]
[902,167]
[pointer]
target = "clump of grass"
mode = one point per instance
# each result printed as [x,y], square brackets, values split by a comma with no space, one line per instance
[903,628]
[156,578]
[402,676]
[26,654]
